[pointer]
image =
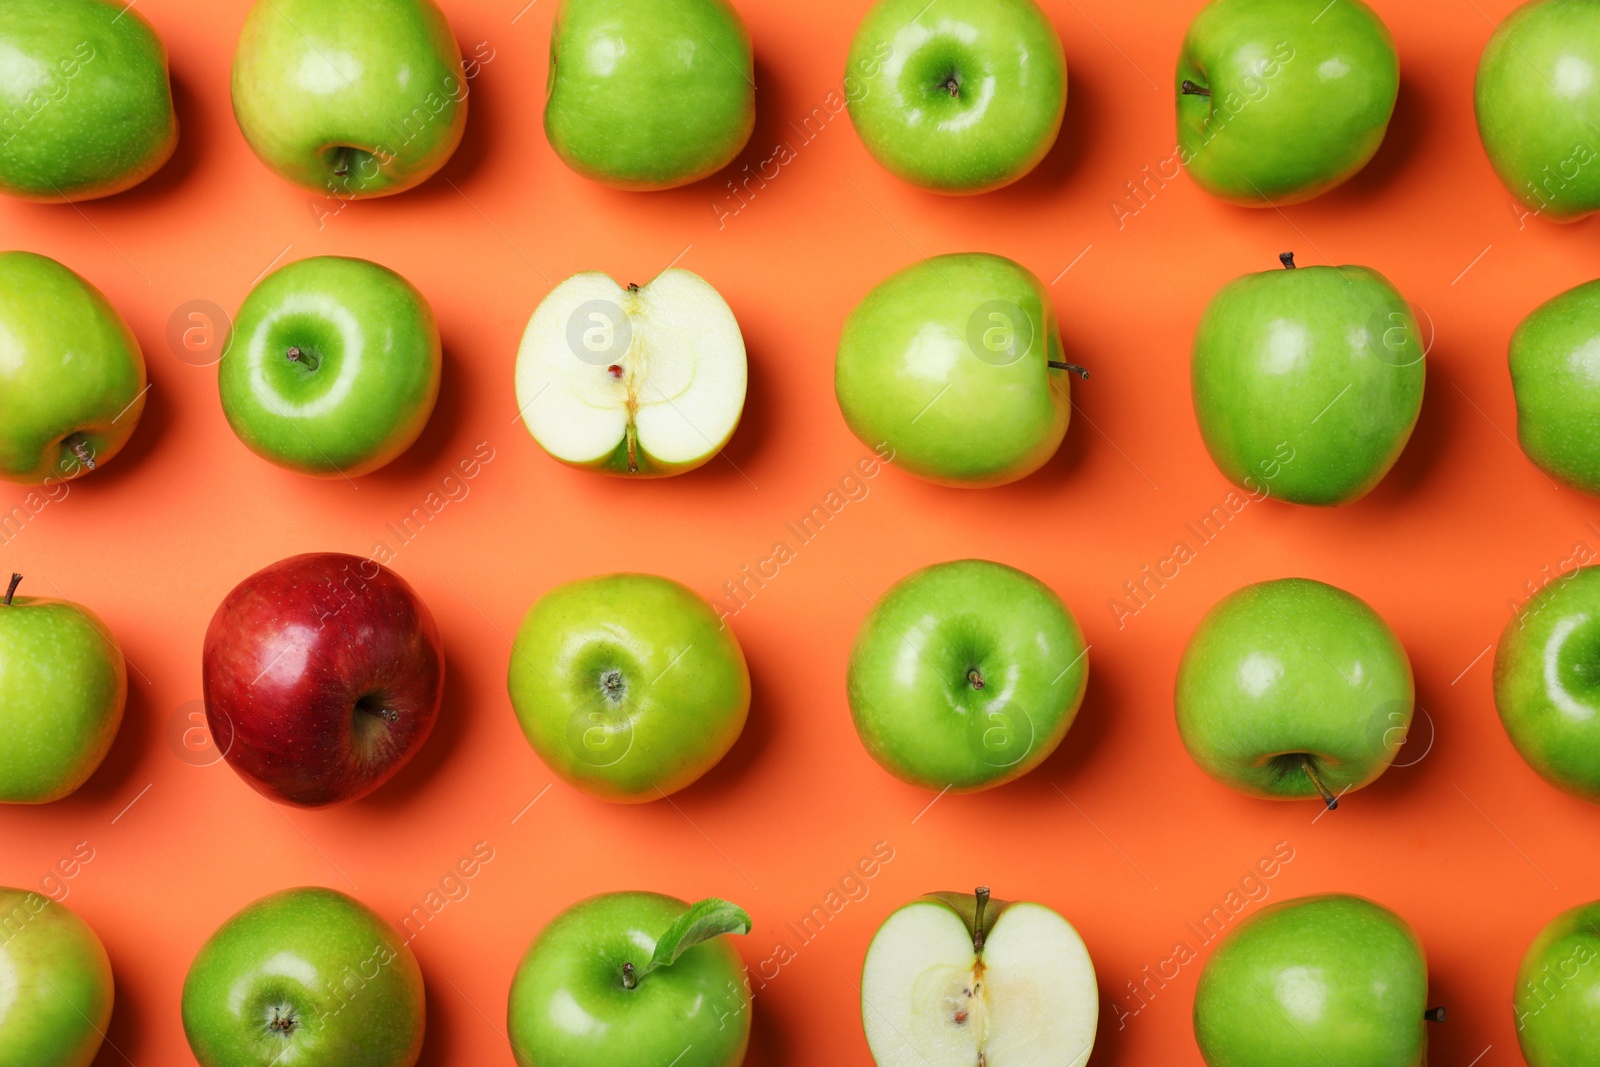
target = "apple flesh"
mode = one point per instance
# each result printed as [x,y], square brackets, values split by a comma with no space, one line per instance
[628,686]
[649,94]
[953,980]
[1325,979]
[1281,100]
[1545,682]
[332,367]
[633,978]
[1557,996]
[635,380]
[966,100]
[86,101]
[72,378]
[1293,689]
[63,687]
[1307,382]
[966,675]
[1538,107]
[322,675]
[350,98]
[1555,374]
[955,363]
[56,988]
[304,976]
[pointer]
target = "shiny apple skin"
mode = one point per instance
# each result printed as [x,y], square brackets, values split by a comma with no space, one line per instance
[291,653]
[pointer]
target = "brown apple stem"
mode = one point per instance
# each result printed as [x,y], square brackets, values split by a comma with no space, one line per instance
[11,590]
[85,454]
[1310,768]
[1287,259]
[952,86]
[341,161]
[388,715]
[629,979]
[975,678]
[1434,1015]
[1082,372]
[296,354]
[633,448]
[982,893]
[1189,88]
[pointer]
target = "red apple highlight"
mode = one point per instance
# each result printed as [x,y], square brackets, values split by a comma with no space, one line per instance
[323,675]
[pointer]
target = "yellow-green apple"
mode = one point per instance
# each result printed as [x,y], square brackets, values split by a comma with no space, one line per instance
[639,379]
[955,363]
[322,674]
[72,378]
[55,984]
[957,979]
[63,687]
[1555,375]
[1556,1000]
[966,675]
[628,686]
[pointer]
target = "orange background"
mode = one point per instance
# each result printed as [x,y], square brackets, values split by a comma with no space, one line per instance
[1119,831]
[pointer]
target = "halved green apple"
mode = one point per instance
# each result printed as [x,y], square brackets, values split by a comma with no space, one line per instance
[638,379]
[960,980]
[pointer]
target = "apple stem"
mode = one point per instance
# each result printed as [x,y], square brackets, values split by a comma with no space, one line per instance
[85,454]
[296,354]
[1189,88]
[975,678]
[952,86]
[11,590]
[633,448]
[1434,1015]
[982,893]
[341,161]
[629,979]
[1310,768]
[1287,259]
[1082,372]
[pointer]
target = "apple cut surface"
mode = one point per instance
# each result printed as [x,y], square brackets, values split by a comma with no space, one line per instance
[929,999]
[638,379]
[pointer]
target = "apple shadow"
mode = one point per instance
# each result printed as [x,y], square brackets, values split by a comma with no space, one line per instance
[186,155]
[1456,1040]
[1408,128]
[1109,1031]
[450,411]
[1429,444]
[476,146]
[756,422]
[741,761]
[134,737]
[439,1028]
[125,1032]
[1412,769]
[412,781]
[768,1047]
[1082,436]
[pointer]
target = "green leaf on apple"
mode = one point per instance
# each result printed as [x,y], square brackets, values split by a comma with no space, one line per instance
[711,917]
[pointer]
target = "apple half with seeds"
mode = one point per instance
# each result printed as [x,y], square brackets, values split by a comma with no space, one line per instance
[637,379]
[958,979]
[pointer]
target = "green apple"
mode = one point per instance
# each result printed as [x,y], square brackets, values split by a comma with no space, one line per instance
[1281,100]
[1538,104]
[350,98]
[72,379]
[638,379]
[304,976]
[1557,996]
[1545,684]
[957,979]
[1555,373]
[966,675]
[956,364]
[63,687]
[55,984]
[1293,689]
[628,686]
[630,980]
[957,96]
[332,367]
[649,94]
[1325,979]
[85,103]
[1308,382]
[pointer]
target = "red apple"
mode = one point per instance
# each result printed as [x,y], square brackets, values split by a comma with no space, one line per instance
[323,675]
